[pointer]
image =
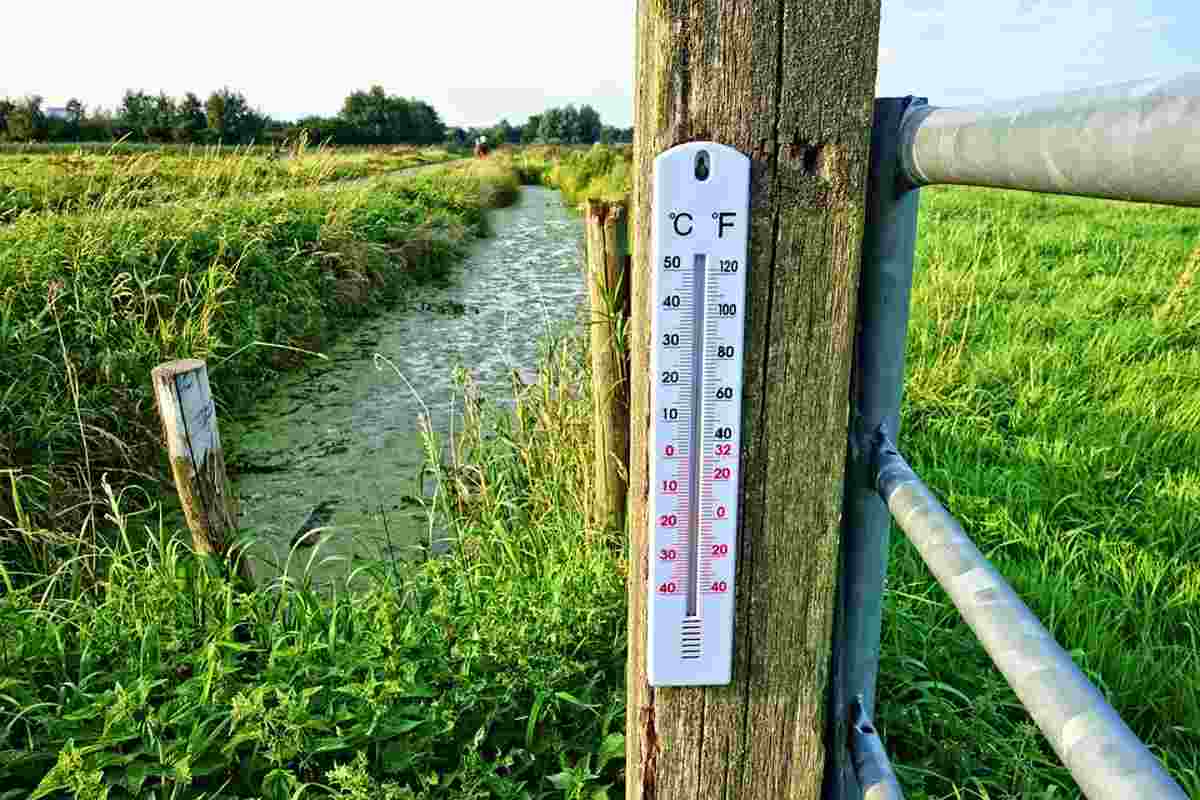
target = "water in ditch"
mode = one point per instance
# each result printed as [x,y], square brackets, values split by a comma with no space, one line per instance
[338,445]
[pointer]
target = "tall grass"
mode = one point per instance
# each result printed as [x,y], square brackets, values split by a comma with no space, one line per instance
[601,172]
[90,303]
[494,672]
[82,180]
[1050,403]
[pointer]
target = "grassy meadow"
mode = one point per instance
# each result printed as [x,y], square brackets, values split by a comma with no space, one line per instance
[81,179]
[1051,403]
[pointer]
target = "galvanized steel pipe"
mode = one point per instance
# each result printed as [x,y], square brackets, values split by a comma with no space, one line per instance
[1135,141]
[885,285]
[872,768]
[1106,759]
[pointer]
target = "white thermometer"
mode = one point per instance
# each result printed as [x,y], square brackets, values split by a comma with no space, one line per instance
[700,228]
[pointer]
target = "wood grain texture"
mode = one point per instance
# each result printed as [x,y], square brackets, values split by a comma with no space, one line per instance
[790,83]
[607,233]
[189,420]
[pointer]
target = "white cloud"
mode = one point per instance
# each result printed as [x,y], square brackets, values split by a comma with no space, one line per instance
[1154,24]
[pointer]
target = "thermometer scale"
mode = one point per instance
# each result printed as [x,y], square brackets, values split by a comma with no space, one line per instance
[700,230]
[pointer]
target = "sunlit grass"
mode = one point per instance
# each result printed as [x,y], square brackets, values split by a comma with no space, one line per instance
[1051,401]
[69,181]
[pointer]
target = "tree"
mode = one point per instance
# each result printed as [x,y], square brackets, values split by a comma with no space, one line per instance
[7,107]
[570,125]
[550,129]
[162,118]
[27,122]
[503,133]
[529,133]
[590,126]
[136,113]
[230,118]
[75,111]
[190,119]
[428,127]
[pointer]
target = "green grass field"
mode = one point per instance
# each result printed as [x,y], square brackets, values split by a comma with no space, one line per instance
[1051,403]
[81,179]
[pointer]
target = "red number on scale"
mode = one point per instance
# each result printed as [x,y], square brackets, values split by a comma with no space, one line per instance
[670,451]
[724,449]
[721,512]
[670,487]
[668,555]
[667,588]
[720,586]
[719,550]
[668,521]
[722,473]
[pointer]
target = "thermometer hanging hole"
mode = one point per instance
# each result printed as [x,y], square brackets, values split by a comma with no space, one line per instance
[702,166]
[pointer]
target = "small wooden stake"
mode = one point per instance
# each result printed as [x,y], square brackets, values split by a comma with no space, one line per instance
[189,419]
[608,287]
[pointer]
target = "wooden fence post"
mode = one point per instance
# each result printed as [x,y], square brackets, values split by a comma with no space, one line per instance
[608,288]
[789,83]
[189,419]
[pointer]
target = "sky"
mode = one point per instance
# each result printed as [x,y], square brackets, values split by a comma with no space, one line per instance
[479,62]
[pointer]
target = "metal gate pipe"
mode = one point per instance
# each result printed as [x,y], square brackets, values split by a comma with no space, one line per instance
[877,381]
[1132,141]
[871,764]
[1104,756]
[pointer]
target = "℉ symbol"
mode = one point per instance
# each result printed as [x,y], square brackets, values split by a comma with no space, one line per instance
[700,225]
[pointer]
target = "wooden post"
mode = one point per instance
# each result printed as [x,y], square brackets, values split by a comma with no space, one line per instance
[189,419]
[608,287]
[790,84]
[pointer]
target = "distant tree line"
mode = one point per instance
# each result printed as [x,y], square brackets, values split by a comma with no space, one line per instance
[225,116]
[367,117]
[375,117]
[567,125]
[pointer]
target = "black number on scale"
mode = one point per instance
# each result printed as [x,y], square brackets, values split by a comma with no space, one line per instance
[670,377]
[729,265]
[723,433]
[671,301]
[724,351]
[671,339]
[672,262]
[727,309]
[725,393]
[670,414]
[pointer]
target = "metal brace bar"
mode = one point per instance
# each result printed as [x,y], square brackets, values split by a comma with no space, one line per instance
[1103,755]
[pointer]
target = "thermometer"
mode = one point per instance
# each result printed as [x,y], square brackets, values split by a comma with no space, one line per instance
[700,228]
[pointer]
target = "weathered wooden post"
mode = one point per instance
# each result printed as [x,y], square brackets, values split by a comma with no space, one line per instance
[189,419]
[790,84]
[608,288]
